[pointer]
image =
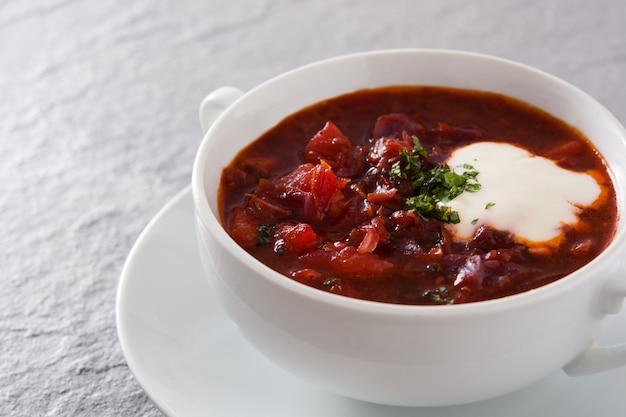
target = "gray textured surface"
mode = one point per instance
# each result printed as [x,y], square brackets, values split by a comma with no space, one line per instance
[99,128]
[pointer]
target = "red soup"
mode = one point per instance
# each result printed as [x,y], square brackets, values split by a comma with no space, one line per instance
[357,195]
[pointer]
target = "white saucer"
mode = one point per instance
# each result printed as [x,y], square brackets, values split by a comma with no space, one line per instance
[191,360]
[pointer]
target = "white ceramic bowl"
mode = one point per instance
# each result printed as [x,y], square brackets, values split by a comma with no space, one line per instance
[395,354]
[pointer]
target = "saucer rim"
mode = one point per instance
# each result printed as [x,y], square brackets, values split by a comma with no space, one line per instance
[120,307]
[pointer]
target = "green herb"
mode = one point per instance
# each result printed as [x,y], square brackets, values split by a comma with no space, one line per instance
[265,233]
[410,164]
[330,282]
[489,205]
[474,221]
[418,148]
[434,187]
[440,295]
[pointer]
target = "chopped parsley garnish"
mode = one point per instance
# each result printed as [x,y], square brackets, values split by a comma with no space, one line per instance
[330,282]
[433,187]
[489,205]
[440,295]
[265,233]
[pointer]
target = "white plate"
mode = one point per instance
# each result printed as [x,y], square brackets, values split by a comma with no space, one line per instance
[191,360]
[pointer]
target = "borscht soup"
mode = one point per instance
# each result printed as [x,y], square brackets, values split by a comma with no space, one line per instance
[420,195]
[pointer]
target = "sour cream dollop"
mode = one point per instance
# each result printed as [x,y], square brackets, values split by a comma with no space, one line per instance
[523,193]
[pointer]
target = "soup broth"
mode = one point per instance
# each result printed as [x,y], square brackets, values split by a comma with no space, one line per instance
[361,195]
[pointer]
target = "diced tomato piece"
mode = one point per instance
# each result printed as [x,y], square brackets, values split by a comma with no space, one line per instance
[324,184]
[322,189]
[311,191]
[298,237]
[330,145]
[385,152]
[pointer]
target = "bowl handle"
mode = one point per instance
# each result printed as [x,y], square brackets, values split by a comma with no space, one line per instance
[601,358]
[215,103]
[597,359]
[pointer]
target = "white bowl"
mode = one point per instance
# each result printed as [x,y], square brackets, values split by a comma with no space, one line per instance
[398,354]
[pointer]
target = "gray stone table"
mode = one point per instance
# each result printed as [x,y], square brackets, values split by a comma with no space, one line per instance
[98,129]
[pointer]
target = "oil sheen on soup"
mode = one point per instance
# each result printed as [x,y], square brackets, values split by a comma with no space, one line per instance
[420,195]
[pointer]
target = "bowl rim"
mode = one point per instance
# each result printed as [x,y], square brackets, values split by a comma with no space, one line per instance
[207,217]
